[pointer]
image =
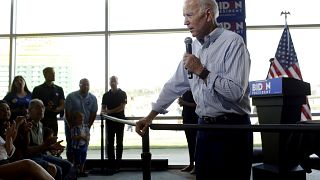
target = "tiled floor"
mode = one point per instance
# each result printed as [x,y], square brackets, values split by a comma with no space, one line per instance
[177,159]
[172,174]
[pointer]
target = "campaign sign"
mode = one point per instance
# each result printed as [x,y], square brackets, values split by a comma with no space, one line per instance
[232,8]
[266,87]
[238,26]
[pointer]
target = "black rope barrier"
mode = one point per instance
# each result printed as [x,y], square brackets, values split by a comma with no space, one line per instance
[273,128]
[253,128]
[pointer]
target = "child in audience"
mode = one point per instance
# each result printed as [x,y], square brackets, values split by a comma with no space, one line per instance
[80,136]
[47,134]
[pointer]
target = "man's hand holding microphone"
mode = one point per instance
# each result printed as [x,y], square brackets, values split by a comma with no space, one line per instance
[190,61]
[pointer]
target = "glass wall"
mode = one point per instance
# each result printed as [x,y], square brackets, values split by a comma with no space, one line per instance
[268,12]
[4,66]
[73,57]
[5,8]
[46,16]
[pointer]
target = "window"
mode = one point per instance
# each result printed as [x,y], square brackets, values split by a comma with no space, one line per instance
[5,10]
[45,16]
[145,14]
[268,12]
[4,66]
[73,58]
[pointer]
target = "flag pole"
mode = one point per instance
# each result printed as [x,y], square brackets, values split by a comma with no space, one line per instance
[285,13]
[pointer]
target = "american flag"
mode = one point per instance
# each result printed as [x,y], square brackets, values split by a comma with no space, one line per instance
[285,64]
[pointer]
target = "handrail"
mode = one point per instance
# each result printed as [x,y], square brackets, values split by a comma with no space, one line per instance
[253,128]
[175,117]
[123,121]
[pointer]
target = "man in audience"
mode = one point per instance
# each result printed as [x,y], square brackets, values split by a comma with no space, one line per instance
[113,104]
[79,101]
[52,97]
[36,147]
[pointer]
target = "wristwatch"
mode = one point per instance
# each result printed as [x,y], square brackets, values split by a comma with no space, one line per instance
[204,73]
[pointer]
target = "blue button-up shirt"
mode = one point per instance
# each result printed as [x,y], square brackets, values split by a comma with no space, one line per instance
[75,102]
[225,55]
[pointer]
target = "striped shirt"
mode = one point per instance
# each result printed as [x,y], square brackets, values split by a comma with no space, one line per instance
[225,55]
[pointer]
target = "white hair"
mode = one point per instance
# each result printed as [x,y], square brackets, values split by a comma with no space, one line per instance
[211,4]
[35,102]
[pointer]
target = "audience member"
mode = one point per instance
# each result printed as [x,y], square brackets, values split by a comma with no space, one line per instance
[19,122]
[113,104]
[52,97]
[220,64]
[6,143]
[25,169]
[79,101]
[36,147]
[48,134]
[21,169]
[189,117]
[80,136]
[18,97]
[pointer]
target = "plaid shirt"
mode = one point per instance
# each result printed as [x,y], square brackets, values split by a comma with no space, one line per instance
[83,131]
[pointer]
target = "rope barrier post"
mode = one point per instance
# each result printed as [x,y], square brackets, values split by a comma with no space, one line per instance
[146,156]
[102,143]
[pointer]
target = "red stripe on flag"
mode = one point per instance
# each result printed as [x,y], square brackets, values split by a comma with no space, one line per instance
[297,70]
[289,73]
[276,69]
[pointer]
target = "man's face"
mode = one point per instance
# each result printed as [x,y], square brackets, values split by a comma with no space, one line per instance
[36,112]
[113,83]
[194,19]
[5,112]
[84,86]
[50,75]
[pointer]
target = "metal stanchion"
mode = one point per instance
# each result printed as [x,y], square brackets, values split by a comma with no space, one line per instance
[102,170]
[146,156]
[102,143]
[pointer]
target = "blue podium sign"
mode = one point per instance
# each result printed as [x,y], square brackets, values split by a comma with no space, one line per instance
[283,86]
[266,87]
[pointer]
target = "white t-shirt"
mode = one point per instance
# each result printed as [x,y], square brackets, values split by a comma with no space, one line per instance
[3,152]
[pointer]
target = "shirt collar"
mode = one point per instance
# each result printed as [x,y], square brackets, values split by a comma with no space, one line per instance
[212,37]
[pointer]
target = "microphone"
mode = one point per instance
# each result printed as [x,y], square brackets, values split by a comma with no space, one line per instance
[188,42]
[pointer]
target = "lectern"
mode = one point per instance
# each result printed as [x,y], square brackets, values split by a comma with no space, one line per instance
[279,101]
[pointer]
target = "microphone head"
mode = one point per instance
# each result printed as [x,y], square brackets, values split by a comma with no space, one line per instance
[188,40]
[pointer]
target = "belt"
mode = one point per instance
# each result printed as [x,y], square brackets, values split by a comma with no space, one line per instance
[224,119]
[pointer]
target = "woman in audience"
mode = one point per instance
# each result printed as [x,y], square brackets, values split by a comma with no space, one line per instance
[18,97]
